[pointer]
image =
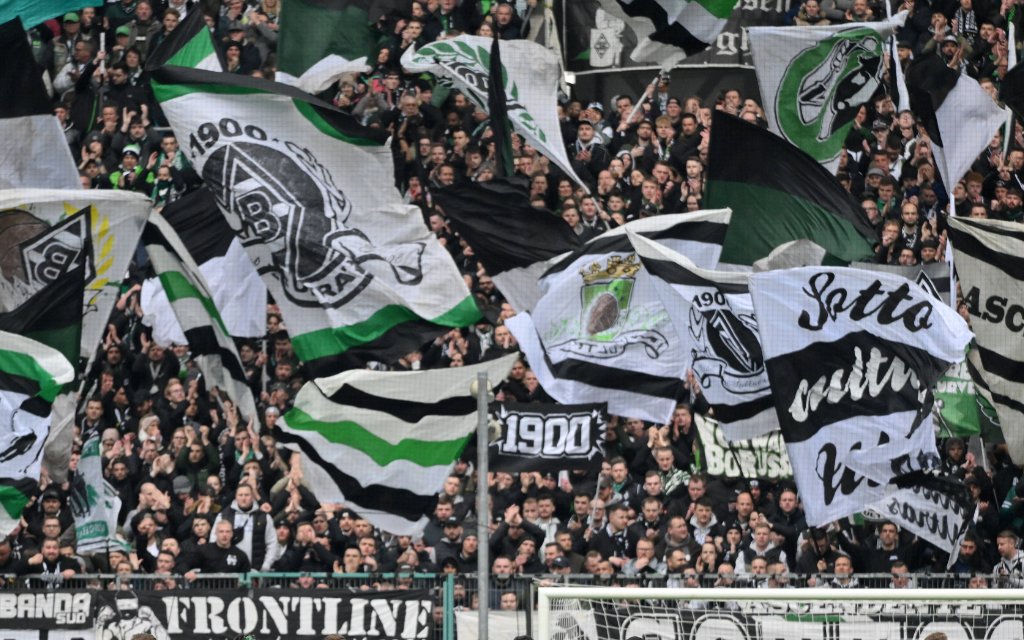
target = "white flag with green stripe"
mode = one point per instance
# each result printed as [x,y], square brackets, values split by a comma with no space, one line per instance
[667,31]
[383,443]
[309,192]
[190,297]
[31,376]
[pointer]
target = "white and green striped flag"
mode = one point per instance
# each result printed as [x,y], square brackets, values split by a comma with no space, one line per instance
[190,297]
[383,443]
[667,31]
[309,192]
[31,376]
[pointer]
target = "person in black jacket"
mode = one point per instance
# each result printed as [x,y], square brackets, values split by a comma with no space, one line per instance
[615,542]
[219,556]
[306,553]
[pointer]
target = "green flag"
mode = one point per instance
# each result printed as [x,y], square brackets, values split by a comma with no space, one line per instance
[956,402]
[33,12]
[310,30]
[777,194]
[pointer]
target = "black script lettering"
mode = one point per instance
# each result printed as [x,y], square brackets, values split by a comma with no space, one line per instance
[828,470]
[870,301]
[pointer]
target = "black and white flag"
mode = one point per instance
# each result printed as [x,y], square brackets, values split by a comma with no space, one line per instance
[933,278]
[714,319]
[548,437]
[600,333]
[991,270]
[852,358]
[959,116]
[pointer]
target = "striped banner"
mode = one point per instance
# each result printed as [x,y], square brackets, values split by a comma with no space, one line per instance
[383,443]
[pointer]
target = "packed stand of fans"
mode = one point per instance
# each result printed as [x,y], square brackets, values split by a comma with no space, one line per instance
[205,492]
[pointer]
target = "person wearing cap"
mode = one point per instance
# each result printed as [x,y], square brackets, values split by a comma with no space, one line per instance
[594,113]
[306,552]
[1011,208]
[131,175]
[505,539]
[588,156]
[450,544]
[64,44]
[248,54]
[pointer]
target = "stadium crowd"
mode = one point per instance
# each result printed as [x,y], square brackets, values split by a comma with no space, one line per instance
[203,490]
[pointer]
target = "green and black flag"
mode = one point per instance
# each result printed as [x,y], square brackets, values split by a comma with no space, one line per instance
[778,193]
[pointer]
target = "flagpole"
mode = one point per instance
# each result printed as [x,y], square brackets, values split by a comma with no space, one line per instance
[1011,62]
[483,517]
[640,100]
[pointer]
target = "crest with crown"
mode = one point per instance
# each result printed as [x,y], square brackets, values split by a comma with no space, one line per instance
[615,268]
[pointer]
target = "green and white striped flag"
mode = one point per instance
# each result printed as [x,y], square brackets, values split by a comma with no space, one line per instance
[190,297]
[383,443]
[309,192]
[31,376]
[667,31]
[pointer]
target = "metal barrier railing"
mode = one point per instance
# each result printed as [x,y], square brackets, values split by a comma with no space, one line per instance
[459,592]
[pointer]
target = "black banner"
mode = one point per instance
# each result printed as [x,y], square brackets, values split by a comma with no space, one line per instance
[595,42]
[201,614]
[548,437]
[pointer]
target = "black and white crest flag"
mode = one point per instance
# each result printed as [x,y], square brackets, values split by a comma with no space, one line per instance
[548,437]
[600,333]
[852,358]
[991,269]
[714,319]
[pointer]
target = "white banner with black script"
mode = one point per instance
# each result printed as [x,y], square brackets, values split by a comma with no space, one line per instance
[852,358]
[761,457]
[548,437]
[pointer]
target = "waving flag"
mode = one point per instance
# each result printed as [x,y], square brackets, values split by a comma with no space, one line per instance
[600,333]
[31,376]
[383,443]
[42,157]
[852,357]
[813,80]
[307,189]
[531,74]
[190,297]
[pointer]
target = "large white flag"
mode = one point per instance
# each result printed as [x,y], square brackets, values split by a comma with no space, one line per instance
[309,192]
[813,80]
[600,333]
[715,323]
[532,75]
[852,357]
